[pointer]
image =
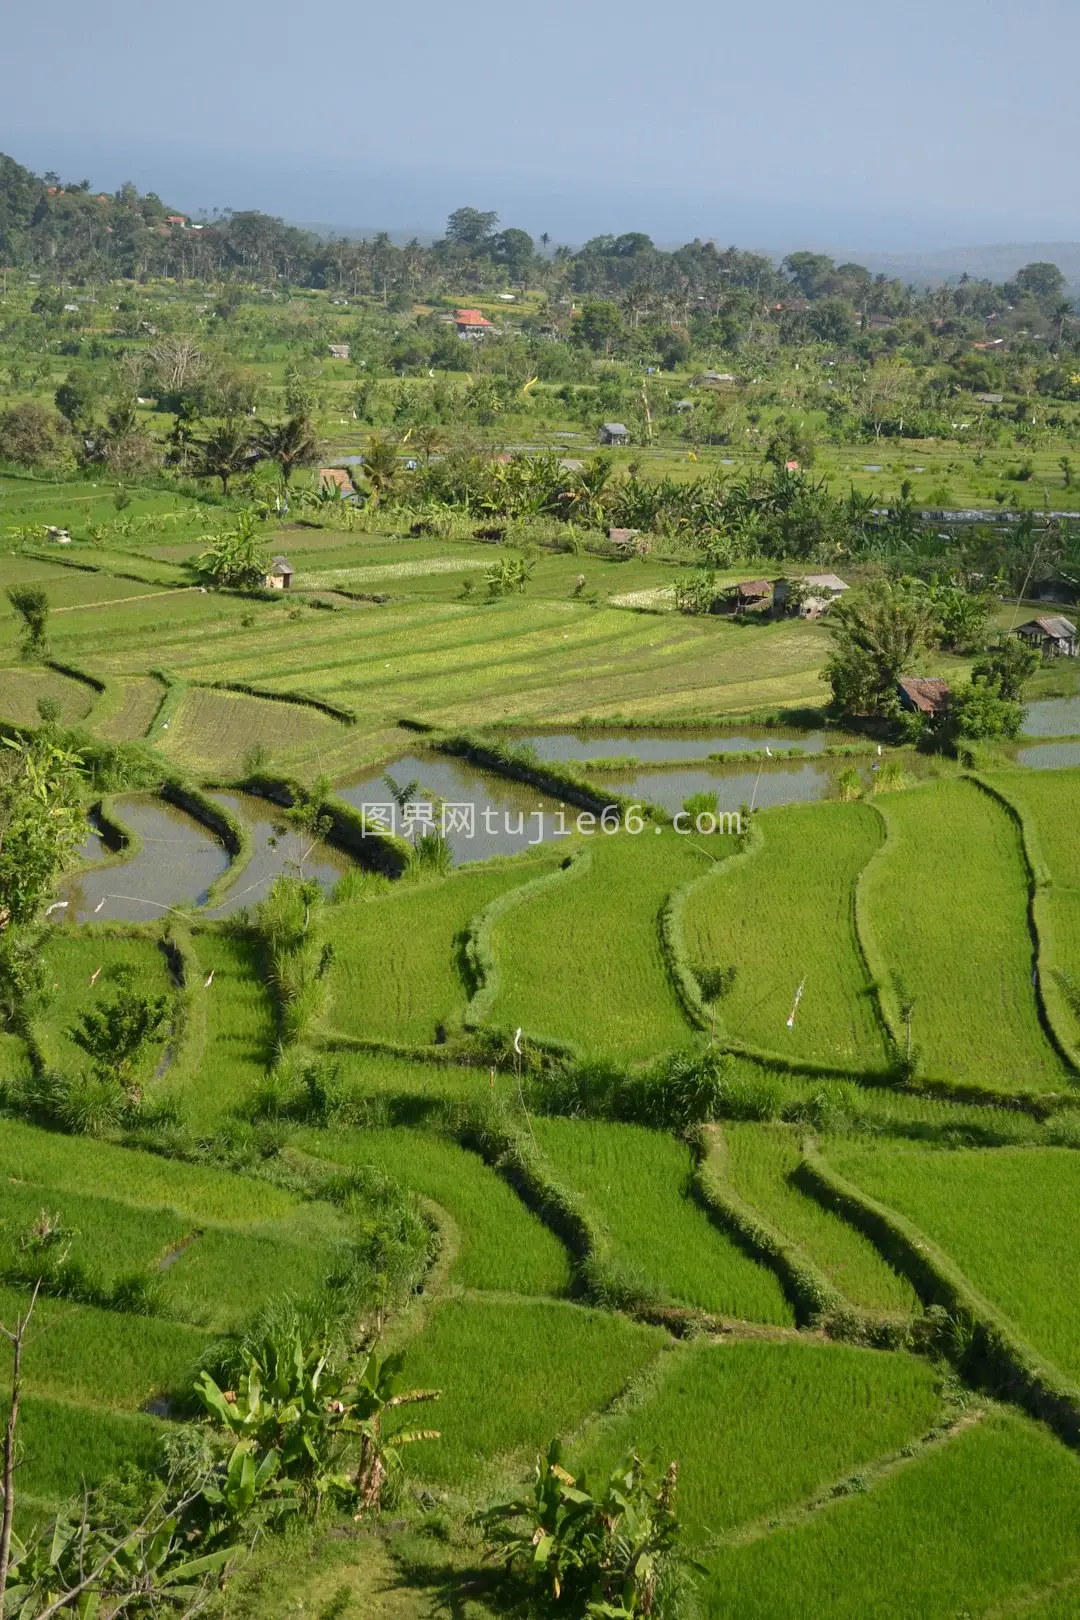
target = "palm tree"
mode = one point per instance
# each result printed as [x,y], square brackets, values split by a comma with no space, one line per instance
[429,440]
[380,466]
[226,452]
[291,444]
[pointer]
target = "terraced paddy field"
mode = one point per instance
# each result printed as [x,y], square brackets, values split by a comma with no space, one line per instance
[210,731]
[446,661]
[606,986]
[760,1162]
[638,1182]
[1005,1216]
[1047,801]
[25,689]
[512,1373]
[759,1427]
[966,929]
[498,1244]
[928,1538]
[400,972]
[780,927]
[613,1283]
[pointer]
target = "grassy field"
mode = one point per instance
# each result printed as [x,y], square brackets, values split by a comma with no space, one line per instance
[1004,1217]
[212,733]
[213,1272]
[785,917]
[766,1424]
[581,959]
[240,1029]
[637,1182]
[62,1164]
[72,958]
[758,1427]
[759,1161]
[128,715]
[101,1358]
[65,1444]
[453,662]
[513,1376]
[927,1541]
[25,689]
[403,1091]
[1047,800]
[960,941]
[501,1244]
[398,956]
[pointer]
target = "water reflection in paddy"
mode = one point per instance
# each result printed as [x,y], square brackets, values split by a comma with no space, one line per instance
[1049,756]
[772,785]
[504,814]
[1053,717]
[324,863]
[646,746]
[178,861]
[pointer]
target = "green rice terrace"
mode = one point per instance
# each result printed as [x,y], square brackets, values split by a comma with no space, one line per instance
[551,989]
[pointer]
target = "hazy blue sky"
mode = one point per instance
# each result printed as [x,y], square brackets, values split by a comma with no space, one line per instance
[836,123]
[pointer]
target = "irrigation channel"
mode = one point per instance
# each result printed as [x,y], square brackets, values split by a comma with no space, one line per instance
[177,858]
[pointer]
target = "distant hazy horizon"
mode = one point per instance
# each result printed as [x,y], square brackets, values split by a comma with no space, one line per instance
[946,125]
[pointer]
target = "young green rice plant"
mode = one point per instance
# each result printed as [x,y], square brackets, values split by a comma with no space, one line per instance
[607,987]
[512,1373]
[1048,798]
[785,917]
[637,1182]
[235,1011]
[398,968]
[946,901]
[64,1444]
[759,1164]
[104,1358]
[997,1214]
[52,1167]
[926,1538]
[501,1245]
[757,1427]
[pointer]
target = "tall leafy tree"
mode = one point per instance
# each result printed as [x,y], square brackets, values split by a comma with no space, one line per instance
[32,605]
[381,466]
[878,634]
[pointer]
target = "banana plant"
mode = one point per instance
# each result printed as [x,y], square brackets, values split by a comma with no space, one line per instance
[82,1561]
[316,1429]
[602,1556]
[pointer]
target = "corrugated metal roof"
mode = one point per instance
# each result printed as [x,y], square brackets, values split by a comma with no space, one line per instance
[928,693]
[1058,628]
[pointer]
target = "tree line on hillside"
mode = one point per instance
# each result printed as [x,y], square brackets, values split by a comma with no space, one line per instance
[623,285]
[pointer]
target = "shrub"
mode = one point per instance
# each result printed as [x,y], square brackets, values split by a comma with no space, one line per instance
[31,436]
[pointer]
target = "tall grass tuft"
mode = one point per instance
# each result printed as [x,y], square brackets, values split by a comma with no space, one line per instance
[297,958]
